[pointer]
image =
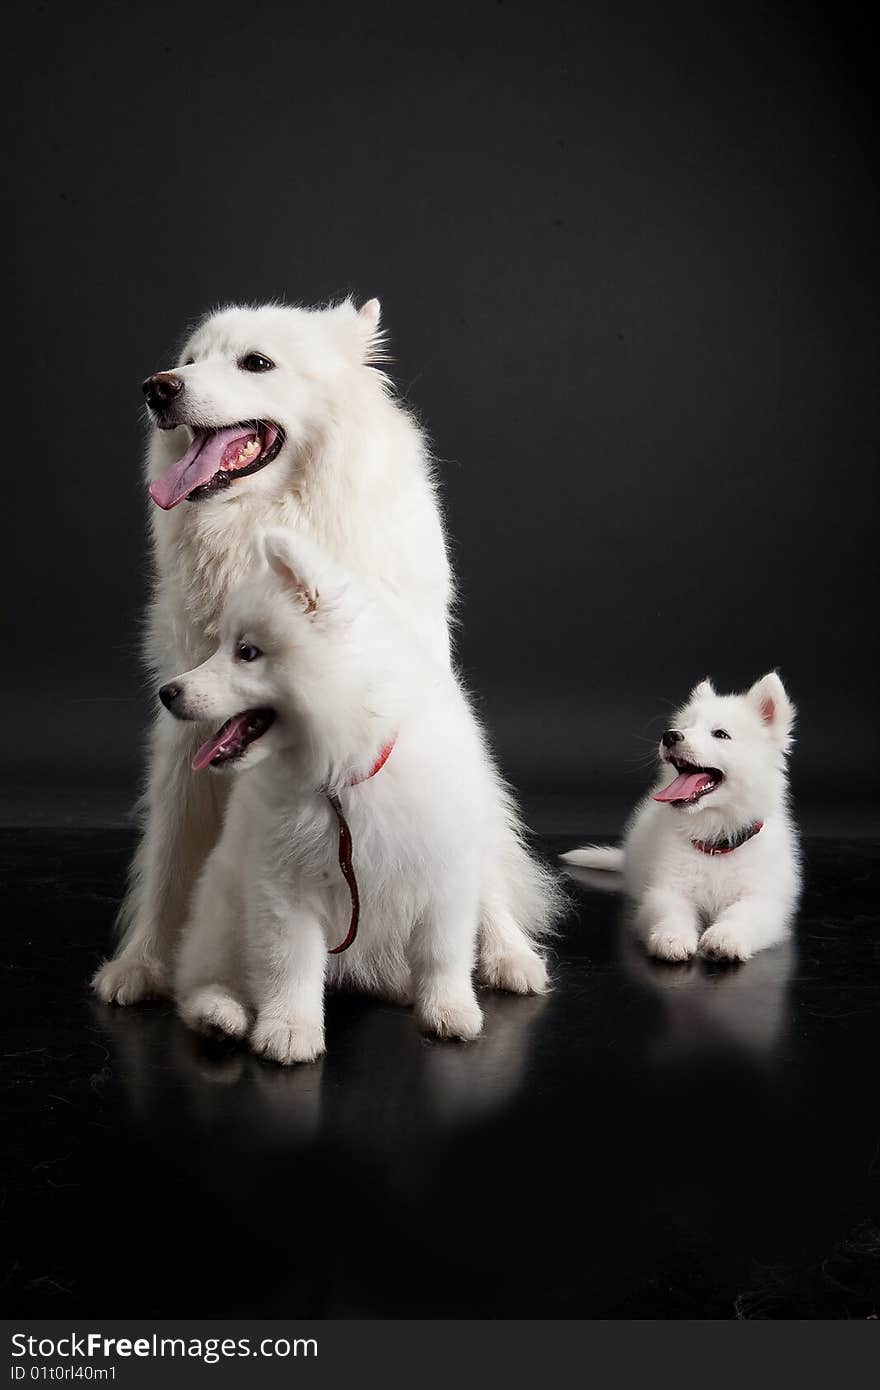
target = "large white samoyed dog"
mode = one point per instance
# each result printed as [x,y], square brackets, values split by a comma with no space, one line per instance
[278,417]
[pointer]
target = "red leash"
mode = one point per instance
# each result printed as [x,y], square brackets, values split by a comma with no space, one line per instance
[345,848]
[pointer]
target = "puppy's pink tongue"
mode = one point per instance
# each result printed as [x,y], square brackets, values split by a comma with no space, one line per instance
[225,739]
[205,456]
[685,786]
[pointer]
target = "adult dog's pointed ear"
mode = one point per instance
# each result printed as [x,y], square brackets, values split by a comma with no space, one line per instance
[371,312]
[297,563]
[359,331]
[702,689]
[770,698]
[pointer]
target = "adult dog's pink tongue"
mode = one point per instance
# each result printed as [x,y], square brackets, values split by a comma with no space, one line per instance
[229,737]
[685,785]
[204,457]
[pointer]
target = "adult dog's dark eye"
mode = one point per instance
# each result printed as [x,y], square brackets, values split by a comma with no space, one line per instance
[720,733]
[256,362]
[247,651]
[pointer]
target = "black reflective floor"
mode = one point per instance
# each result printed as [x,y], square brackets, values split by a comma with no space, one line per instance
[648,1141]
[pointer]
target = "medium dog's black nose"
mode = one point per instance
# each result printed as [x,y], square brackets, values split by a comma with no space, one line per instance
[161,388]
[168,694]
[671,737]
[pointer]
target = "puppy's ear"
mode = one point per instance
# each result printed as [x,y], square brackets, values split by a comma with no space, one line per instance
[702,689]
[371,312]
[770,698]
[292,559]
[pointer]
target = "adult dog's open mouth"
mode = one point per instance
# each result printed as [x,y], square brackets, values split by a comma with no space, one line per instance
[215,459]
[691,783]
[233,738]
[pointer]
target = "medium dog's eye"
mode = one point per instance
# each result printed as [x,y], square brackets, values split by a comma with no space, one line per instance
[256,362]
[247,651]
[720,733]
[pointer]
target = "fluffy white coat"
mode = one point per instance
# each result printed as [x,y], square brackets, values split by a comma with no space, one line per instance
[344,680]
[354,473]
[727,906]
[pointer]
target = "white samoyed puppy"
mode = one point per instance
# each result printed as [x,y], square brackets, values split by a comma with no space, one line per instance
[710,858]
[280,417]
[357,752]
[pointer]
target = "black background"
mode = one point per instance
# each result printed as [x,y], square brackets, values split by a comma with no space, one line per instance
[627,255]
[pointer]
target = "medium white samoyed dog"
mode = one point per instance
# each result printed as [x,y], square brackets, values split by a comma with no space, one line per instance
[278,417]
[359,753]
[711,857]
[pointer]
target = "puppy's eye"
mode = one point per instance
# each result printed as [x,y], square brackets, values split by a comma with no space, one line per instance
[256,362]
[247,651]
[720,733]
[190,362]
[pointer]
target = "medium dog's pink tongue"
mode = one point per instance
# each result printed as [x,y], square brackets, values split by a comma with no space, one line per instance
[228,737]
[205,456]
[685,785]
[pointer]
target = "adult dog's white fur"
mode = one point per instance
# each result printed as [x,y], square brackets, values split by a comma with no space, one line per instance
[354,473]
[726,905]
[345,680]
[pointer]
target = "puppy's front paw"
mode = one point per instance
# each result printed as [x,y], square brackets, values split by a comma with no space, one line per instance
[725,943]
[667,944]
[212,1009]
[458,1017]
[287,1040]
[130,980]
[518,972]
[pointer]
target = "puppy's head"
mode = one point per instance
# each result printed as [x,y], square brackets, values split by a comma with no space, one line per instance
[726,752]
[283,662]
[253,387]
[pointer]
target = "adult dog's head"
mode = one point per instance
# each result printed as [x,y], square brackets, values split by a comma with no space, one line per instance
[253,386]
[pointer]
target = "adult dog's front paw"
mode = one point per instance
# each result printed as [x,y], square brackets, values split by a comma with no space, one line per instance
[287,1040]
[667,944]
[725,943]
[458,1017]
[518,972]
[213,1009]
[131,979]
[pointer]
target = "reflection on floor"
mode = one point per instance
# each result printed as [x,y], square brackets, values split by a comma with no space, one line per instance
[648,1141]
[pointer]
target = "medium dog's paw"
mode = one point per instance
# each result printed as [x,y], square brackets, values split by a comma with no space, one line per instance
[130,980]
[724,943]
[212,1009]
[518,972]
[666,944]
[459,1017]
[287,1040]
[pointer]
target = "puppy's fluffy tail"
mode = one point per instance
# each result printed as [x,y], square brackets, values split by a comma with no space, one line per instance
[604,857]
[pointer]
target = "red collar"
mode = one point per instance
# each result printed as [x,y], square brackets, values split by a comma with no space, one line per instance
[345,846]
[384,755]
[728,846]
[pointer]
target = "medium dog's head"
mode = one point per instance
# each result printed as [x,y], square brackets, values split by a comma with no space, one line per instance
[728,752]
[252,387]
[303,663]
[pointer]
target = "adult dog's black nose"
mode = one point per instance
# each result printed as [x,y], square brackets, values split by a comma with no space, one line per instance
[671,737]
[161,388]
[168,694]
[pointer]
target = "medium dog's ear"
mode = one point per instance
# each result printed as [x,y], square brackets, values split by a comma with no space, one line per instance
[702,689]
[770,698]
[293,559]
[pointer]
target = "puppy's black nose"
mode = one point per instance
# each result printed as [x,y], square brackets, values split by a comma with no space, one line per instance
[161,388]
[671,737]
[168,694]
